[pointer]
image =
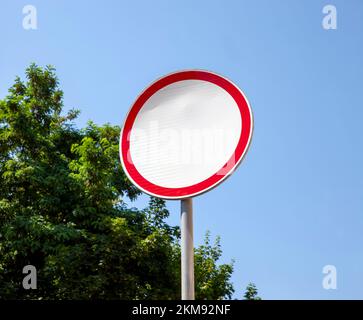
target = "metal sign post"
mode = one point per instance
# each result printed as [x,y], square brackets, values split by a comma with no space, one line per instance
[187,250]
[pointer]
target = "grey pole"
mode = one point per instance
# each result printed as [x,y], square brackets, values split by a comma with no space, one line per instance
[187,250]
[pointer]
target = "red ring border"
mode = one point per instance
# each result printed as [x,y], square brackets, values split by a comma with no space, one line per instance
[215,179]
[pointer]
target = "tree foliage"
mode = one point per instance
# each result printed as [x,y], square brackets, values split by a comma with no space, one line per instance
[62,210]
[251,292]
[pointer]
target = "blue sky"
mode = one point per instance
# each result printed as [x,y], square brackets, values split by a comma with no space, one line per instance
[296,202]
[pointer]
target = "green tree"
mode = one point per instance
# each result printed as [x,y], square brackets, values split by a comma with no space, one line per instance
[251,292]
[213,279]
[63,210]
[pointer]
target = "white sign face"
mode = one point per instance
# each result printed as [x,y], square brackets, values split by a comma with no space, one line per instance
[185,134]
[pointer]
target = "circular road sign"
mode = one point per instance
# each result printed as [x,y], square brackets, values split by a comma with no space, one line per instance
[185,134]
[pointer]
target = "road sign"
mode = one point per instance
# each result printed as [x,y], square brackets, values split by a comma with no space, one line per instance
[185,134]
